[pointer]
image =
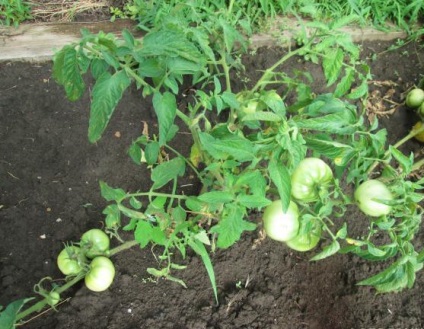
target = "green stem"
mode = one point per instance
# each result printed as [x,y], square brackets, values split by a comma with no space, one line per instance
[42,303]
[151,193]
[126,245]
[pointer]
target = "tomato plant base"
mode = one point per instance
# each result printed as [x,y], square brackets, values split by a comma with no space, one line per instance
[50,194]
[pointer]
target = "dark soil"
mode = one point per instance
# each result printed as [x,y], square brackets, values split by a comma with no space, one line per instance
[49,194]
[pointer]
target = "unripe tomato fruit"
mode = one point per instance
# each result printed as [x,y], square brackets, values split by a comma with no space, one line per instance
[101,274]
[95,242]
[278,225]
[53,298]
[311,176]
[306,241]
[415,98]
[70,260]
[369,190]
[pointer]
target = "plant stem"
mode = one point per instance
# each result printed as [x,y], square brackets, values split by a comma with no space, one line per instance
[126,245]
[150,194]
[39,305]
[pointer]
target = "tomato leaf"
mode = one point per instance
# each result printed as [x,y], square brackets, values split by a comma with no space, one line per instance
[165,106]
[8,315]
[280,176]
[233,146]
[216,197]
[199,248]
[111,194]
[327,251]
[67,72]
[332,64]
[405,162]
[253,201]
[145,232]
[167,171]
[231,225]
[107,92]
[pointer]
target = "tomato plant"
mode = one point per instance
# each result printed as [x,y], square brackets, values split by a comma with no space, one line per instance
[100,275]
[248,148]
[94,243]
[280,225]
[371,196]
[70,260]
[310,180]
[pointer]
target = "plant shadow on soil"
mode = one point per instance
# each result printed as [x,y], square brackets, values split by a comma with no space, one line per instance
[50,194]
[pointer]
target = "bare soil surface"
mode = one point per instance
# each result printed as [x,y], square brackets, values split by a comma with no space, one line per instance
[49,194]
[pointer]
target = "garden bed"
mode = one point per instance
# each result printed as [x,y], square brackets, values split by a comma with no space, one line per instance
[50,194]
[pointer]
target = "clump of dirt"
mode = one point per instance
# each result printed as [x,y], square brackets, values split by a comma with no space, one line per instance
[49,194]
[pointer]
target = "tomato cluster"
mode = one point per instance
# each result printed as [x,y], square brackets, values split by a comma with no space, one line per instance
[310,182]
[74,259]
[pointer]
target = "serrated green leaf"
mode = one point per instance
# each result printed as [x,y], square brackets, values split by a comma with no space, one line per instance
[128,37]
[253,201]
[107,92]
[165,106]
[405,162]
[66,71]
[332,64]
[111,194]
[342,233]
[145,233]
[203,237]
[359,91]
[230,99]
[280,176]
[373,250]
[113,216]
[231,225]
[262,116]
[327,251]
[151,152]
[170,43]
[233,146]
[345,83]
[135,203]
[167,171]
[98,67]
[340,122]
[216,197]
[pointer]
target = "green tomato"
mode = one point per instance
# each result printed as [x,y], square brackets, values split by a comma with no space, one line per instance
[278,225]
[415,98]
[101,274]
[53,298]
[70,260]
[306,241]
[311,176]
[366,196]
[95,242]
